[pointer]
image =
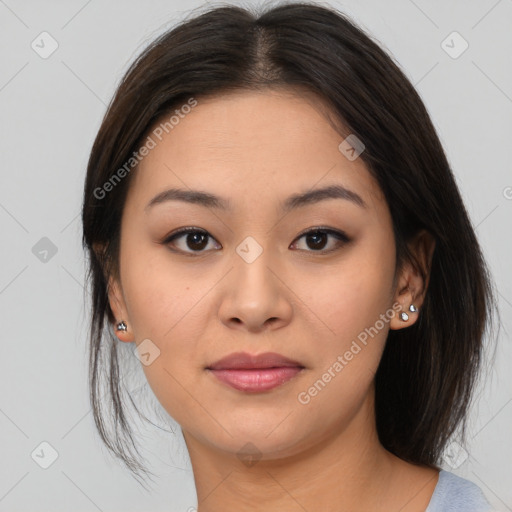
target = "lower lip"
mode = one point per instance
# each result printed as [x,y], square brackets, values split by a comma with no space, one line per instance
[261,379]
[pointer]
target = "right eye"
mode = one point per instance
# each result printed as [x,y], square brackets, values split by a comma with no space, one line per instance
[195,240]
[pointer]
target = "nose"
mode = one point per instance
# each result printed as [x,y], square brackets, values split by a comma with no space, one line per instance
[255,297]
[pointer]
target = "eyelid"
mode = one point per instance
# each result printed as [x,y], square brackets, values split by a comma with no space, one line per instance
[185,229]
[340,235]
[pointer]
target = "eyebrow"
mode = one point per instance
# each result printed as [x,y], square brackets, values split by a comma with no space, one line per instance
[291,203]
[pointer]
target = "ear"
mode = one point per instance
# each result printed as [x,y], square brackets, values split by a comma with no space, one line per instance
[115,297]
[118,307]
[413,279]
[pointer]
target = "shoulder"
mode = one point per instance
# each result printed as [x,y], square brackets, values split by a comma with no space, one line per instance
[456,494]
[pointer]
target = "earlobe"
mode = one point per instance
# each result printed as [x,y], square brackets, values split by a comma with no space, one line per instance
[122,332]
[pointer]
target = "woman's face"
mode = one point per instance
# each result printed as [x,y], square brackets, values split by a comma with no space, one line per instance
[251,281]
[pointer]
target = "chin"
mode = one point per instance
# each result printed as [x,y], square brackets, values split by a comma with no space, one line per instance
[267,444]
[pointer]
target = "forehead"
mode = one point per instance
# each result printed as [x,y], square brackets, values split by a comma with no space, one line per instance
[249,144]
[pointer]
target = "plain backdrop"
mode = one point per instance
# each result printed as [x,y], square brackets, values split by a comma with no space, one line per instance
[51,108]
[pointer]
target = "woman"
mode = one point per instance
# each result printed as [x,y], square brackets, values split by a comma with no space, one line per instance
[271,219]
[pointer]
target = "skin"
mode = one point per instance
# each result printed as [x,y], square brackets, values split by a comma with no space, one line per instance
[256,149]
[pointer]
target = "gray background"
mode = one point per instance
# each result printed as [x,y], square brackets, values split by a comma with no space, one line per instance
[51,109]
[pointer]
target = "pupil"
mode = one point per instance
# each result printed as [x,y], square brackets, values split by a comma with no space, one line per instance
[319,240]
[198,240]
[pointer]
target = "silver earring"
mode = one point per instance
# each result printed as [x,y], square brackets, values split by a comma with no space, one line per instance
[413,308]
[404,316]
[121,326]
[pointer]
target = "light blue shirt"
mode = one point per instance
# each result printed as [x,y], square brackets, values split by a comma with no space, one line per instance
[456,494]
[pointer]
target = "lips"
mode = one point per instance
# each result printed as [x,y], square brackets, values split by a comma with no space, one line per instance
[245,361]
[255,373]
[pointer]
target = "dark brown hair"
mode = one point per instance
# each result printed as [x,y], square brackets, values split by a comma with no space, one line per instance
[428,372]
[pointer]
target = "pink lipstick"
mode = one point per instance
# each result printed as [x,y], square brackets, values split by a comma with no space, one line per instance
[255,373]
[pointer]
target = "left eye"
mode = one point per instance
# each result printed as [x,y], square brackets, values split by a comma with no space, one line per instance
[317,239]
[196,240]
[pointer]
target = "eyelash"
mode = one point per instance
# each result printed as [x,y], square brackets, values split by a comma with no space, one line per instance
[339,235]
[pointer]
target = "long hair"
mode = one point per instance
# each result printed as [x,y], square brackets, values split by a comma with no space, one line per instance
[428,372]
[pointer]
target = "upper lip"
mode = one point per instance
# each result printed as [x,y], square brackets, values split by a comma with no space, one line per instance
[244,360]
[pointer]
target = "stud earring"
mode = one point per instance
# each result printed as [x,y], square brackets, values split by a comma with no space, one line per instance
[404,316]
[121,326]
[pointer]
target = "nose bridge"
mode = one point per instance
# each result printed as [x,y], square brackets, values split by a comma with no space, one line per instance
[254,295]
[252,272]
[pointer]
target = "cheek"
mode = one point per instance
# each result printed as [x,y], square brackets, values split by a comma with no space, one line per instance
[345,298]
[352,304]
[162,297]
[167,306]
[355,310]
